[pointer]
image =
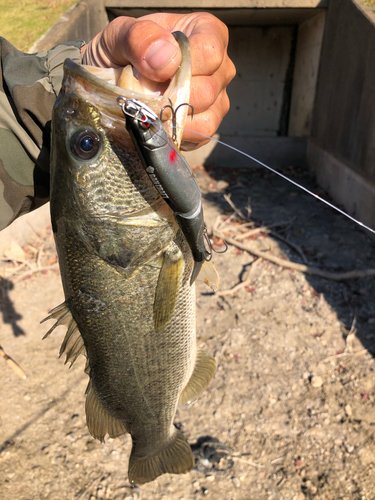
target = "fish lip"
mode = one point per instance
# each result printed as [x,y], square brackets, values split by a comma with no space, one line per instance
[79,80]
[92,89]
[80,73]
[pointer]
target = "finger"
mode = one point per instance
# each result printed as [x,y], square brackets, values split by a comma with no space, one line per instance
[208,38]
[208,44]
[203,126]
[151,49]
[206,89]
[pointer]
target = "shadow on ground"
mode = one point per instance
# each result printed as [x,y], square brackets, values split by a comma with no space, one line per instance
[10,315]
[327,239]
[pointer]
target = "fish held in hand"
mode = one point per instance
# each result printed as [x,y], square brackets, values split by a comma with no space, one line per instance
[126,269]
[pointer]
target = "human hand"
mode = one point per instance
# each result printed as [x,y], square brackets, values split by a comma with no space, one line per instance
[147,44]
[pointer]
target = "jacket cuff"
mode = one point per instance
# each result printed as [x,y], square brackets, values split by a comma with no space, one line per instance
[55,60]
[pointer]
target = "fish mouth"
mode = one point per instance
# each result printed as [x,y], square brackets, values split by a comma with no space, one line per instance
[101,87]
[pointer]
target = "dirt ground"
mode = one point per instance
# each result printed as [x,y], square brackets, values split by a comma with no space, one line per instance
[290,413]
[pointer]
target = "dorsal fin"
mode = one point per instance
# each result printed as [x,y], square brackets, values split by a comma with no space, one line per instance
[72,344]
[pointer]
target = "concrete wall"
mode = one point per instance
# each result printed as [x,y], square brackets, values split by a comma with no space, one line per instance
[259,96]
[305,75]
[263,38]
[341,148]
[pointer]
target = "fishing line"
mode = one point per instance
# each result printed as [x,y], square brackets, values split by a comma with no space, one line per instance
[174,127]
[283,177]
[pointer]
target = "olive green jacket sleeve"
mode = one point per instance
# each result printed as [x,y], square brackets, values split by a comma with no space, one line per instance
[29,85]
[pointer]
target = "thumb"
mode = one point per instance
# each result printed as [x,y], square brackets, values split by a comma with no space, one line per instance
[152,50]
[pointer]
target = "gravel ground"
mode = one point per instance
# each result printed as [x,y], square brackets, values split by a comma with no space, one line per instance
[290,413]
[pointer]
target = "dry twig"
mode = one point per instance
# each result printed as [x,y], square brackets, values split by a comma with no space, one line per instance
[17,369]
[365,273]
[227,198]
[260,229]
[292,245]
[243,236]
[245,461]
[32,271]
[343,354]
[242,284]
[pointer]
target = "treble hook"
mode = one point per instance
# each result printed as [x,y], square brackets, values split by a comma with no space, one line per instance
[211,249]
[174,112]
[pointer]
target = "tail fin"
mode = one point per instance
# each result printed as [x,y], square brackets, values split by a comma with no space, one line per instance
[176,458]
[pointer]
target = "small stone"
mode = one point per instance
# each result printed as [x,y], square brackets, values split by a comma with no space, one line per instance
[210,478]
[222,185]
[15,252]
[316,381]
[236,482]
[299,496]
[71,436]
[348,410]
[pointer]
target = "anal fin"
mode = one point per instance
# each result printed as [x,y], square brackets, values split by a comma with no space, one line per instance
[175,458]
[168,286]
[99,421]
[204,370]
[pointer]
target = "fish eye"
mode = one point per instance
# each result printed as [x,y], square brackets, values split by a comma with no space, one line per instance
[85,144]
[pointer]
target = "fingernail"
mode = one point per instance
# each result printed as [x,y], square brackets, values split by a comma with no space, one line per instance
[160,54]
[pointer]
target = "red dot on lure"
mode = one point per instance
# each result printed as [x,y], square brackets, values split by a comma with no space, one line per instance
[172,156]
[145,121]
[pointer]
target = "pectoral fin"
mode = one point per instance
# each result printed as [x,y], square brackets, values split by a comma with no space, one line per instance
[99,421]
[209,275]
[204,370]
[168,286]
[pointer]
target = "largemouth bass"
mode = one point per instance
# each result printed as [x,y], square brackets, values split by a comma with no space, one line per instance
[126,268]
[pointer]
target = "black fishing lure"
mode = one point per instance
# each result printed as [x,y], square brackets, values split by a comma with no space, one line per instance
[170,174]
